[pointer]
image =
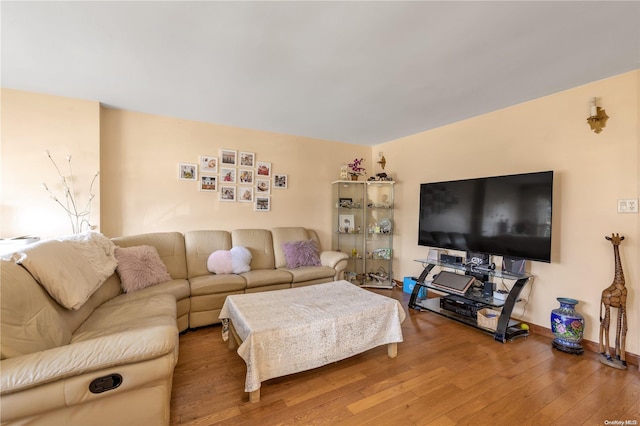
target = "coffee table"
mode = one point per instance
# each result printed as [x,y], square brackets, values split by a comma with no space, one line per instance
[287,331]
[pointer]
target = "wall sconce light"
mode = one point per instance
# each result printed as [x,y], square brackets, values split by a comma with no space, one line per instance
[597,117]
[383,161]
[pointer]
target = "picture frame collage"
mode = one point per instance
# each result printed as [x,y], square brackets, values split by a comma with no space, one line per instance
[236,176]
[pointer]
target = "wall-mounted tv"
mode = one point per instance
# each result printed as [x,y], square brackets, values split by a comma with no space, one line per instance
[499,215]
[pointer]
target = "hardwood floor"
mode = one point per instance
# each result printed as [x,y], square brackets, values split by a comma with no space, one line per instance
[446,373]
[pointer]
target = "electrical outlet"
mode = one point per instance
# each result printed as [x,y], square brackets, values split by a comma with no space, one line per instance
[628,206]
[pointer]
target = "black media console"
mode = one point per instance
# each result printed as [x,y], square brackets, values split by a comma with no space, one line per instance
[464,307]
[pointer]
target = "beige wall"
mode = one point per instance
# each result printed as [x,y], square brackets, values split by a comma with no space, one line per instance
[139,154]
[32,123]
[142,193]
[592,171]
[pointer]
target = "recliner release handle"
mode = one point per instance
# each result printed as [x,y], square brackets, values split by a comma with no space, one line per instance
[103,384]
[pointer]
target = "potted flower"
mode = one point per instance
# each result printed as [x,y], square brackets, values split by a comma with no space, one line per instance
[356,168]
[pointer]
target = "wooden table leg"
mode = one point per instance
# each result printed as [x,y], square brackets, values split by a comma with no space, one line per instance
[234,339]
[232,342]
[254,396]
[392,350]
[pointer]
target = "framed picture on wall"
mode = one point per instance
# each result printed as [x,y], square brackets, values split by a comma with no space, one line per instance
[245,194]
[187,171]
[227,193]
[208,164]
[228,157]
[247,159]
[227,175]
[280,181]
[263,186]
[264,169]
[208,183]
[245,176]
[263,204]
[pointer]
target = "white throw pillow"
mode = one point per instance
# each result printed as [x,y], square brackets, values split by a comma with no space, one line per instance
[234,261]
[97,249]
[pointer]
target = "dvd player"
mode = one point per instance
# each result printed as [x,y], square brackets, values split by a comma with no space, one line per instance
[462,306]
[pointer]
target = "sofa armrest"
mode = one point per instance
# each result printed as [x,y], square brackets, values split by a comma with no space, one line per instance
[126,347]
[332,258]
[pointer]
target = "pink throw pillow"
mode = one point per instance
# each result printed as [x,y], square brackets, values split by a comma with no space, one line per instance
[140,267]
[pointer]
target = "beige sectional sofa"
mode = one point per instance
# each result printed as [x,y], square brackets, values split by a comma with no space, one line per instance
[111,361]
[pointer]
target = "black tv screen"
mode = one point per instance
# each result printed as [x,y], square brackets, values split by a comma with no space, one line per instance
[499,215]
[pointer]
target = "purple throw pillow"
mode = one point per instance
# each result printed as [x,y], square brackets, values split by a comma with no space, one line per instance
[301,253]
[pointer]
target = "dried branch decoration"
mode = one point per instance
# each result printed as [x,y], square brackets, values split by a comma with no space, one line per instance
[79,218]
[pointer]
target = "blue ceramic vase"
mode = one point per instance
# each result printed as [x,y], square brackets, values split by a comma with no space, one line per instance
[567,326]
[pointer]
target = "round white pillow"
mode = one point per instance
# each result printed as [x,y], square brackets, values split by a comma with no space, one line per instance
[234,261]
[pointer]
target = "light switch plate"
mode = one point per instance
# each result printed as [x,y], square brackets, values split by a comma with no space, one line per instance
[629,205]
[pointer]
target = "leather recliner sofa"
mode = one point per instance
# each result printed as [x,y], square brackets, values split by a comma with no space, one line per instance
[111,361]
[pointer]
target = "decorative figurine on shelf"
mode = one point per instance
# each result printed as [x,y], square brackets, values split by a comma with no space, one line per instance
[344,175]
[381,177]
[614,296]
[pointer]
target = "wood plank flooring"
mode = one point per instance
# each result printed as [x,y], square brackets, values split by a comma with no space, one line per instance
[445,374]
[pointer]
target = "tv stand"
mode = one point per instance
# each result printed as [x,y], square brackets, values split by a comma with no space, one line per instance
[506,329]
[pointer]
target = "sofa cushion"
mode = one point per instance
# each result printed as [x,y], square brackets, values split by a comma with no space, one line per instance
[266,277]
[31,321]
[177,288]
[200,245]
[62,270]
[140,267]
[260,244]
[170,246]
[288,234]
[107,291]
[301,253]
[234,261]
[310,273]
[214,284]
[128,312]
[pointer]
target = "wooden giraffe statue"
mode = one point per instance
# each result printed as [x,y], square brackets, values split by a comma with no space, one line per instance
[614,296]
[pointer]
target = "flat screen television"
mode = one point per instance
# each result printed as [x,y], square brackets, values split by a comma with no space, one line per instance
[499,215]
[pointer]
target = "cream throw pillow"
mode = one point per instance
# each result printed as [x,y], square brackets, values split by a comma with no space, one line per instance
[62,270]
[97,249]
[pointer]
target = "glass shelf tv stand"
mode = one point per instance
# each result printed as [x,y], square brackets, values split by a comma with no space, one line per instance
[506,328]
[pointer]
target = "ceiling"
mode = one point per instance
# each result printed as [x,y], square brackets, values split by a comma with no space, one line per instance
[358,72]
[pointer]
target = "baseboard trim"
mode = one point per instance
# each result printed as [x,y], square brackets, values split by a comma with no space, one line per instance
[588,345]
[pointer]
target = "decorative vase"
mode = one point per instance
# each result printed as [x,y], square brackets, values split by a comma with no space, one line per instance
[354,176]
[567,326]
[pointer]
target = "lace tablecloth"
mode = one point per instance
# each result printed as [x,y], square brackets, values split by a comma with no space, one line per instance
[293,330]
